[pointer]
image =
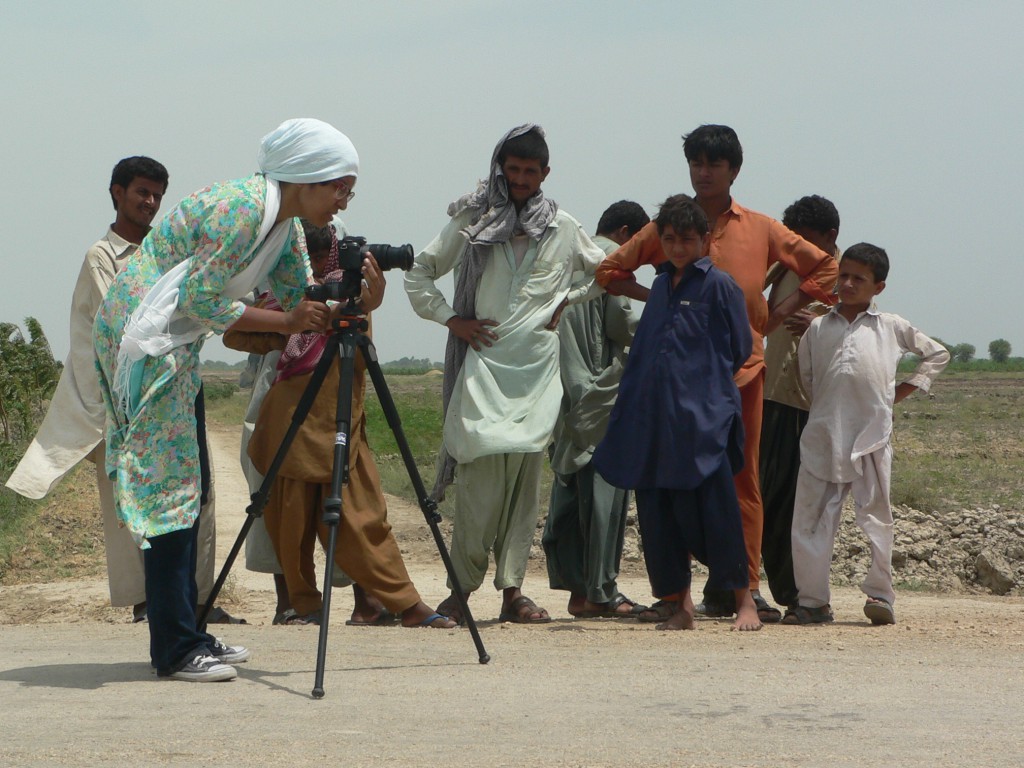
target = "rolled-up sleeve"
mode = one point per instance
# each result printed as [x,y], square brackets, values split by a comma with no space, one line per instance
[934,356]
[433,262]
[817,270]
[643,248]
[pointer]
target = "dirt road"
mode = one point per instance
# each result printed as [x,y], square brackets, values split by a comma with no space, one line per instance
[941,688]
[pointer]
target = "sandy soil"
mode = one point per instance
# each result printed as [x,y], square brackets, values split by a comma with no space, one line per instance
[942,687]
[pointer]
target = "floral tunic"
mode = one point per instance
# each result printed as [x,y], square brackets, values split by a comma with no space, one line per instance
[153,457]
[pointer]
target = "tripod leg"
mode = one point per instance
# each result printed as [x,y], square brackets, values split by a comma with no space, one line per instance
[332,505]
[427,505]
[259,499]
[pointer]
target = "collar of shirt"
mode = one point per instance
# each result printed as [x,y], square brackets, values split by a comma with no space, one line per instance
[118,244]
[871,310]
[703,264]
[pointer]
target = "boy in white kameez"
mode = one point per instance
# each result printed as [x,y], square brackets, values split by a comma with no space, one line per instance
[518,260]
[848,361]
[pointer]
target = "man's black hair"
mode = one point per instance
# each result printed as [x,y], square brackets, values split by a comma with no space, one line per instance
[131,167]
[682,213]
[317,238]
[871,256]
[624,213]
[813,212]
[715,142]
[529,146]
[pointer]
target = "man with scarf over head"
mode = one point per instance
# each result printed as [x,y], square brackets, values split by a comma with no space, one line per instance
[518,261]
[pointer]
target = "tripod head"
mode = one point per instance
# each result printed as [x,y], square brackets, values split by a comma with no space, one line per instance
[350,323]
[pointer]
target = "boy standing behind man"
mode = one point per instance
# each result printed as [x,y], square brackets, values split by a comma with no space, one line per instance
[676,432]
[586,523]
[848,362]
[786,404]
[518,260]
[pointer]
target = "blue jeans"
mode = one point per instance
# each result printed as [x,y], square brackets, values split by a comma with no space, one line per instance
[171,595]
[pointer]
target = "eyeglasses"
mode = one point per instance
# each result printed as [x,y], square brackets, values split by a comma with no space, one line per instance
[342,191]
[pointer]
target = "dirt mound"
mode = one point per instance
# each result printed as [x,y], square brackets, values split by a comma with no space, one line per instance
[977,550]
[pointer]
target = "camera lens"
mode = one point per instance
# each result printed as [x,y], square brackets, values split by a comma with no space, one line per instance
[392,256]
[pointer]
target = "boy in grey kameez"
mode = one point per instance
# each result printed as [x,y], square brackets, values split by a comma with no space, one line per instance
[586,522]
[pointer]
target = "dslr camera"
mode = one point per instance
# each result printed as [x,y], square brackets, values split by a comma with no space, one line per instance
[351,251]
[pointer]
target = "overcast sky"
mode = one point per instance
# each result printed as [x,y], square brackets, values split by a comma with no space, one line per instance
[906,115]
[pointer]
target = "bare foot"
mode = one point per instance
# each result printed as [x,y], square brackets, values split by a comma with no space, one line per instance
[368,609]
[421,615]
[681,619]
[747,619]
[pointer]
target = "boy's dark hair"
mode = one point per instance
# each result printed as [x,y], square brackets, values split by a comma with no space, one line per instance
[624,213]
[529,146]
[317,238]
[715,142]
[813,212]
[682,213]
[871,256]
[139,165]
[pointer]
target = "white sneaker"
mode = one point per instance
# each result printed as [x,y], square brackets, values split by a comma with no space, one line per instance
[205,669]
[229,654]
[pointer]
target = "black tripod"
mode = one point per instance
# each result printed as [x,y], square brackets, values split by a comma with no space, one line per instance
[348,335]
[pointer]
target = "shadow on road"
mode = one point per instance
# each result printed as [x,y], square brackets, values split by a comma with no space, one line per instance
[86,677]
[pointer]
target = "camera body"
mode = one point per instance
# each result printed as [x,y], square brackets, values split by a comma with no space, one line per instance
[351,251]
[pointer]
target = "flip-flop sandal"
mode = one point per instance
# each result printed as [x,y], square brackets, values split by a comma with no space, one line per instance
[428,623]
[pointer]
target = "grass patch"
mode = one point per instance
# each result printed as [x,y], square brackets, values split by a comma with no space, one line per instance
[963,446]
[55,539]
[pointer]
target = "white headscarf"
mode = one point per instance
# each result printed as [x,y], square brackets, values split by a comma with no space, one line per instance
[306,151]
[301,150]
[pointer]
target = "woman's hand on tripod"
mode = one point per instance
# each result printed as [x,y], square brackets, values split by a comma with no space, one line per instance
[308,316]
[371,295]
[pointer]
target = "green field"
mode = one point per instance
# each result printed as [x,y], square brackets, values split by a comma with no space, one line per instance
[960,446]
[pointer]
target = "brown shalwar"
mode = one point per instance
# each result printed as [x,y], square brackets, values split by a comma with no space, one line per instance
[366,549]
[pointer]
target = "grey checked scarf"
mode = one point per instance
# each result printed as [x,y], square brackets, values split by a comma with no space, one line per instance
[496,221]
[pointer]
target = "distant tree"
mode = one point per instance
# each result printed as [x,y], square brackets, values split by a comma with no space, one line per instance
[999,350]
[962,353]
[28,375]
[948,347]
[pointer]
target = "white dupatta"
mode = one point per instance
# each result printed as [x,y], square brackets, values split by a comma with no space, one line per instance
[157,326]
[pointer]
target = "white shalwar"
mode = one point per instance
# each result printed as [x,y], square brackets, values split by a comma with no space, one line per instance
[849,372]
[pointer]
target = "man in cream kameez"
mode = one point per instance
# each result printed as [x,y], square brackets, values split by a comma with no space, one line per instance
[74,424]
[518,260]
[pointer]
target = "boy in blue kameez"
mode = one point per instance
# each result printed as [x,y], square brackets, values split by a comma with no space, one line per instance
[675,434]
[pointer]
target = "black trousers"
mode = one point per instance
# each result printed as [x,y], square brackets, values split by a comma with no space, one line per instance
[781,426]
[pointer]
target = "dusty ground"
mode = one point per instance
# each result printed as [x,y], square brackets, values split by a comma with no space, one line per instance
[942,687]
